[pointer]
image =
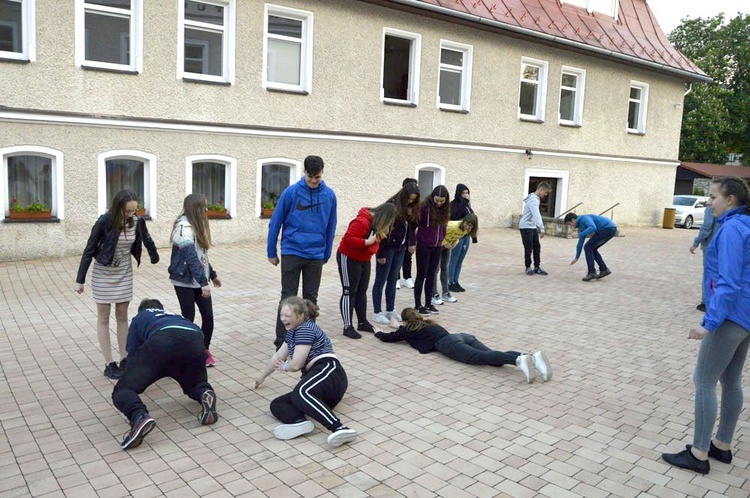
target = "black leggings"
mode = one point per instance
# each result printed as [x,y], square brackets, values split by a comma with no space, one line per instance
[319,391]
[188,298]
[355,278]
[428,261]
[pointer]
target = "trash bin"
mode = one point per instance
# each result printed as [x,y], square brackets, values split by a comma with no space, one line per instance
[668,221]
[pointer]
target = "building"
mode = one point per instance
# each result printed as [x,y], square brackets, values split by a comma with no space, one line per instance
[228,97]
[696,177]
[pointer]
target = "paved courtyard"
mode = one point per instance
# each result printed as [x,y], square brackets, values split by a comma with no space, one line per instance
[621,393]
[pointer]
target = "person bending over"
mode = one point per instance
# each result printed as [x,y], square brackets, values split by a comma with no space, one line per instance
[427,336]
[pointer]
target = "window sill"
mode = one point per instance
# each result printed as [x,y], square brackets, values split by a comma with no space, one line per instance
[220,217]
[636,133]
[14,60]
[457,111]
[530,119]
[399,103]
[287,90]
[109,70]
[188,79]
[53,219]
[570,125]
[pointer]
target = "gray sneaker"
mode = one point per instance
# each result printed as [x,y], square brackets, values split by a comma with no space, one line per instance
[380,318]
[541,364]
[524,364]
[342,435]
[291,431]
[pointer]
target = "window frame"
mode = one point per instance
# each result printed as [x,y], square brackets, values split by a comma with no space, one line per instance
[230,189]
[227,30]
[466,70]
[415,55]
[149,178]
[437,170]
[306,48]
[57,206]
[135,33]
[640,128]
[295,174]
[27,40]
[579,96]
[541,89]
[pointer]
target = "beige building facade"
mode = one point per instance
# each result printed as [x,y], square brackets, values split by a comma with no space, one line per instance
[232,95]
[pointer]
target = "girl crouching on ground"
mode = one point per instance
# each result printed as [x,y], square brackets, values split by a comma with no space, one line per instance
[427,336]
[323,383]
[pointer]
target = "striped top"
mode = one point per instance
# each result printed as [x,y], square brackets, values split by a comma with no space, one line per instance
[114,283]
[308,333]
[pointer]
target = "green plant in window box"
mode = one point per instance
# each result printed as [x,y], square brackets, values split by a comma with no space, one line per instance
[140,210]
[35,210]
[216,210]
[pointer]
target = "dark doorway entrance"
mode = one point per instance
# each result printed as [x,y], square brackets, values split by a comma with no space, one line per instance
[546,206]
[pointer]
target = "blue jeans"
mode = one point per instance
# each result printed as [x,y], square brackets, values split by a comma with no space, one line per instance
[458,254]
[721,358]
[467,349]
[591,248]
[387,275]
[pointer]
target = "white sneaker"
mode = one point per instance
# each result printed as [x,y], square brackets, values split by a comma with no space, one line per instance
[436,299]
[291,431]
[393,315]
[398,284]
[408,283]
[380,319]
[448,298]
[342,435]
[542,365]
[525,365]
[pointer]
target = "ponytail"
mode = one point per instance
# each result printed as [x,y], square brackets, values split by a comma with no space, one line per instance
[303,307]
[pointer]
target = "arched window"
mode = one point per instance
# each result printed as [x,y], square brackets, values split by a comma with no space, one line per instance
[275,175]
[215,177]
[429,176]
[131,170]
[32,179]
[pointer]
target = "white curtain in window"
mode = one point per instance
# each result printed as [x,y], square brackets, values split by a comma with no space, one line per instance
[30,179]
[275,178]
[284,61]
[125,174]
[209,179]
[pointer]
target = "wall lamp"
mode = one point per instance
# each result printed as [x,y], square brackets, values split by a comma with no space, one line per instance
[529,154]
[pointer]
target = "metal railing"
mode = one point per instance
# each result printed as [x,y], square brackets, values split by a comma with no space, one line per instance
[611,208]
[571,209]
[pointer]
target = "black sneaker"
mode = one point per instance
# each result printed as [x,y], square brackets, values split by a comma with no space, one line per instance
[604,273]
[530,272]
[724,456]
[701,307]
[208,402]
[351,333]
[458,287]
[432,309]
[453,288]
[111,371]
[141,426]
[123,362]
[686,460]
[539,271]
[342,435]
[365,327]
[423,311]
[590,276]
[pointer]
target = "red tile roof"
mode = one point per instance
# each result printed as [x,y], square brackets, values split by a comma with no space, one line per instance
[635,36]
[717,170]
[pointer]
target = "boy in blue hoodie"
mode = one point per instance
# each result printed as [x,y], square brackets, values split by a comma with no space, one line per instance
[601,229]
[306,217]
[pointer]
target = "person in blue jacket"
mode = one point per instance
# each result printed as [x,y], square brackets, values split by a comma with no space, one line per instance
[725,330]
[306,217]
[600,229]
[705,234]
[161,344]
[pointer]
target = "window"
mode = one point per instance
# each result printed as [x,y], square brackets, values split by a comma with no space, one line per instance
[607,7]
[637,105]
[454,83]
[131,170]
[275,175]
[109,34]
[205,48]
[287,49]
[215,177]
[429,176]
[32,175]
[571,96]
[533,93]
[17,30]
[400,78]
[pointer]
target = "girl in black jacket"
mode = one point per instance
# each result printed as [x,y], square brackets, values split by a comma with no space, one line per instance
[116,236]
[460,207]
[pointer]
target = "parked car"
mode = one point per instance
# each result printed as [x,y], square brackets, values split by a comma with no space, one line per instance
[689,210]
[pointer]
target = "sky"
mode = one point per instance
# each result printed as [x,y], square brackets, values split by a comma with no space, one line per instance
[669,13]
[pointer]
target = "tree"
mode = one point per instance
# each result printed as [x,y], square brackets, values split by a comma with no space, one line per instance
[716,119]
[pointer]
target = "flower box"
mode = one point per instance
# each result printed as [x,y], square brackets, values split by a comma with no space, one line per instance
[266,212]
[30,215]
[215,214]
[140,212]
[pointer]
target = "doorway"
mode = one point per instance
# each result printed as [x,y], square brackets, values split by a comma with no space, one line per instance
[546,206]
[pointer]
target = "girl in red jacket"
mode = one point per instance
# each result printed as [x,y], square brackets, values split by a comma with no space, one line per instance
[356,248]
